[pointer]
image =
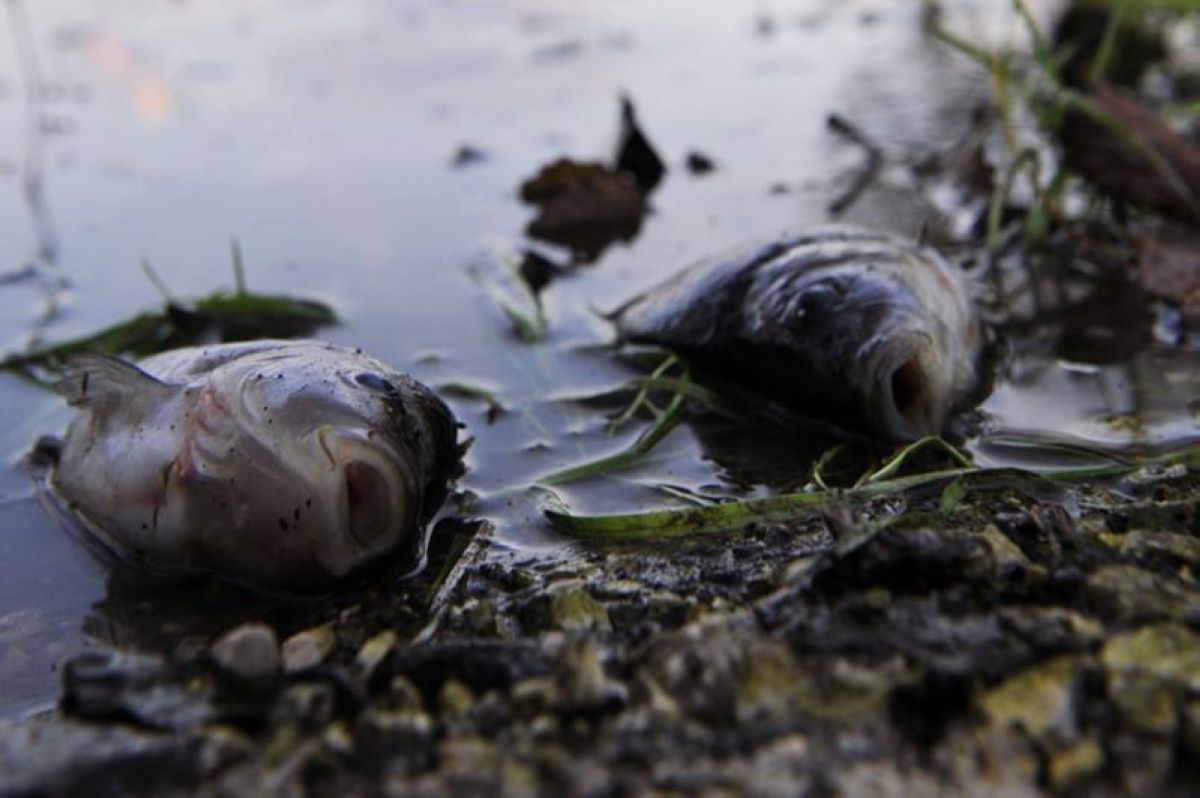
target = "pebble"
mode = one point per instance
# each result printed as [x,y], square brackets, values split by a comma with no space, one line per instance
[308,649]
[248,657]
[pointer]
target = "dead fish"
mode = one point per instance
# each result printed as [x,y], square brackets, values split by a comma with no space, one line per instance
[851,326]
[278,463]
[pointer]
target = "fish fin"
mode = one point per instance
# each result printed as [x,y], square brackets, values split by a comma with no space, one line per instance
[92,380]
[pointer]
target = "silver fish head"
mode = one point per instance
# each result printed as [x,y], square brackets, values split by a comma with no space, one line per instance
[278,463]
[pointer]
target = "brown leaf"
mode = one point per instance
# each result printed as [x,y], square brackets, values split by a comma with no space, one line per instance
[1169,266]
[1117,165]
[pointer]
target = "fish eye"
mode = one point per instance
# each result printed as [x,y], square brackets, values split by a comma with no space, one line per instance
[375,382]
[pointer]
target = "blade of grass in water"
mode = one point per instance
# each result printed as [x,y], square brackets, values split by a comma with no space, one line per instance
[628,457]
[530,327]
[894,464]
[641,396]
[657,524]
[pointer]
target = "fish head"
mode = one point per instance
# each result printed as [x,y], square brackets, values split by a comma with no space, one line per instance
[346,456]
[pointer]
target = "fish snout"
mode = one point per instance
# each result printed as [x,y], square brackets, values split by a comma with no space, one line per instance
[374,497]
[908,396]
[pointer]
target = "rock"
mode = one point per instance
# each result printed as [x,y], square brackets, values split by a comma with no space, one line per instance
[114,685]
[66,757]
[1039,699]
[574,610]
[96,683]
[1068,768]
[375,651]
[1149,670]
[1145,545]
[583,683]
[309,705]
[455,699]
[1135,595]
[247,658]
[305,650]
[1167,652]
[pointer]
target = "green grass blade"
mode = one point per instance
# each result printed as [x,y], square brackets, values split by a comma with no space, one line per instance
[626,458]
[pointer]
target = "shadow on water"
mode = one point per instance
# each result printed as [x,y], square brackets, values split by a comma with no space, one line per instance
[323,141]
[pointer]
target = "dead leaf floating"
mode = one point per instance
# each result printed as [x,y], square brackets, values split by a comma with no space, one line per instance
[585,206]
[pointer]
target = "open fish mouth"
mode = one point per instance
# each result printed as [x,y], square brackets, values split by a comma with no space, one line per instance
[905,394]
[375,491]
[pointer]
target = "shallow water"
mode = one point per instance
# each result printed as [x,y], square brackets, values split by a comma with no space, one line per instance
[321,135]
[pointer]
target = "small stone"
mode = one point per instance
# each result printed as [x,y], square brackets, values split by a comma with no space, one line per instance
[337,738]
[403,694]
[1166,651]
[575,610]
[584,685]
[248,657]
[1039,698]
[455,698]
[468,755]
[1135,595]
[1070,767]
[308,649]
[375,651]
[309,705]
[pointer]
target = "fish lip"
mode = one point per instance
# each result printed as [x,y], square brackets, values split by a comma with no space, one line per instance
[901,362]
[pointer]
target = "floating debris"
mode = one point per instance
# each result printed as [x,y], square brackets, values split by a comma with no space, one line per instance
[636,156]
[584,205]
[468,155]
[698,164]
[273,462]
[218,317]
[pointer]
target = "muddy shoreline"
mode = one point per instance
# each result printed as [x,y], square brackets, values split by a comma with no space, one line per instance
[1013,647]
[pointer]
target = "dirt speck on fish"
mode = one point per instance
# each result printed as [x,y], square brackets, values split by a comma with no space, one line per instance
[847,325]
[279,463]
